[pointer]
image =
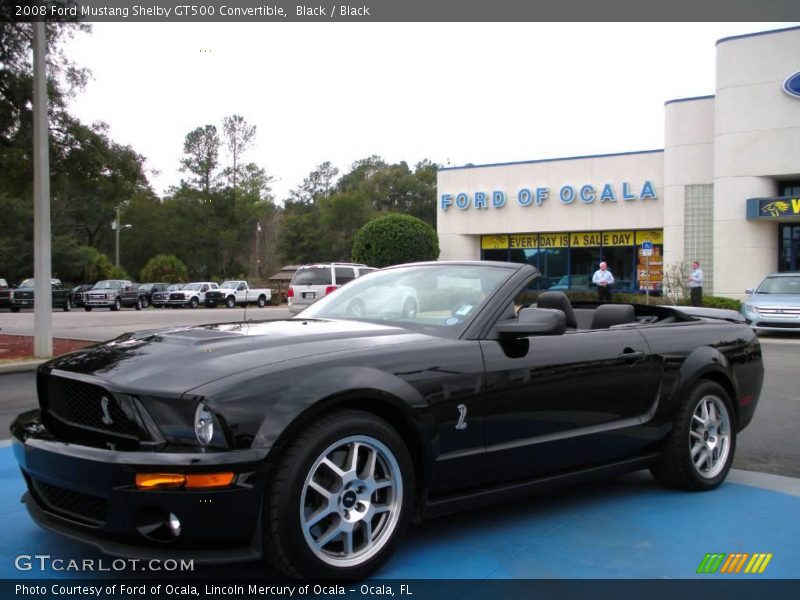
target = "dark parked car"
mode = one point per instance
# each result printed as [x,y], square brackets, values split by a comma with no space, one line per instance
[314,441]
[22,295]
[113,294]
[76,294]
[5,294]
[160,299]
[148,289]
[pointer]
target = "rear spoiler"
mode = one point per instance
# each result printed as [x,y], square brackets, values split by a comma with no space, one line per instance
[720,314]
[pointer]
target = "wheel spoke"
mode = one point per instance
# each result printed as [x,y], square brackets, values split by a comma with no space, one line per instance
[327,537]
[696,435]
[333,467]
[367,524]
[381,508]
[320,490]
[369,468]
[704,412]
[354,458]
[699,419]
[348,542]
[318,516]
[696,448]
[701,459]
[712,412]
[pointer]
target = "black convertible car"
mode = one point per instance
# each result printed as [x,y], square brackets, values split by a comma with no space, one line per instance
[314,441]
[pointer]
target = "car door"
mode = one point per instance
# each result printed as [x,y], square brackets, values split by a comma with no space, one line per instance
[560,402]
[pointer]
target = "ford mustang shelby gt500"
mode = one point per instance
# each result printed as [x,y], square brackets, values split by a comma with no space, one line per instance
[314,441]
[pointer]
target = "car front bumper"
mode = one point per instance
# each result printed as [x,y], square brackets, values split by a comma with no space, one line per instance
[89,494]
[787,321]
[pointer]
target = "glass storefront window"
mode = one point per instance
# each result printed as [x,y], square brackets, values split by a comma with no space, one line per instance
[583,263]
[621,262]
[789,258]
[553,263]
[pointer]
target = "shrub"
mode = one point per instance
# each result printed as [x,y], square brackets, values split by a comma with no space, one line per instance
[166,268]
[118,273]
[395,239]
[722,302]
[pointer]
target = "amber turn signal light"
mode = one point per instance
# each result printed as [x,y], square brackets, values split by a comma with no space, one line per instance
[157,481]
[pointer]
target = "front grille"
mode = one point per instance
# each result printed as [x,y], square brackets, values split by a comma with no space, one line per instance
[779,325]
[91,410]
[91,510]
[780,312]
[213,295]
[176,297]
[23,295]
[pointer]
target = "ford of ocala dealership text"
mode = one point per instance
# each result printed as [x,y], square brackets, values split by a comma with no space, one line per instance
[587,194]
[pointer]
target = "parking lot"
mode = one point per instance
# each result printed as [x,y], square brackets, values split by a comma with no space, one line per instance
[628,527]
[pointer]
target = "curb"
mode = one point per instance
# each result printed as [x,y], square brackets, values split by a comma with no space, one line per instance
[21,367]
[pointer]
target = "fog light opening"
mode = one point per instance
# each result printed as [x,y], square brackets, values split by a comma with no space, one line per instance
[174,525]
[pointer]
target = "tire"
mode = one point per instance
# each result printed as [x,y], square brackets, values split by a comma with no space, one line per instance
[230,302]
[261,302]
[688,461]
[145,302]
[15,309]
[138,305]
[67,305]
[87,308]
[194,302]
[117,304]
[302,477]
[409,309]
[356,308]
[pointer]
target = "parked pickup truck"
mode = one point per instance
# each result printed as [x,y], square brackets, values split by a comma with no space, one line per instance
[231,293]
[113,294]
[192,294]
[22,295]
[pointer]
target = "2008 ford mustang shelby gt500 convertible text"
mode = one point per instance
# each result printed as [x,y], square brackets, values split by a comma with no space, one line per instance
[314,441]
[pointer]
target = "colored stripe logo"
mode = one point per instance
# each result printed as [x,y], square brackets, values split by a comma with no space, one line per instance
[734,563]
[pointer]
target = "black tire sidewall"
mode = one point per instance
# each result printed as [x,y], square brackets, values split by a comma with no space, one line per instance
[678,450]
[304,562]
[230,303]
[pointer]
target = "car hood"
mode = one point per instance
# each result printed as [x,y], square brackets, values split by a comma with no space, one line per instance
[168,362]
[774,300]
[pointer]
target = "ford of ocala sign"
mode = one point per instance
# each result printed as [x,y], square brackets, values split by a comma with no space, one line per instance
[567,194]
[792,85]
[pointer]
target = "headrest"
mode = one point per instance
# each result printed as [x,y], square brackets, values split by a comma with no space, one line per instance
[607,315]
[558,301]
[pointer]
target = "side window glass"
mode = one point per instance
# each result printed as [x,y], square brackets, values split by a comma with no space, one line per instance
[344,275]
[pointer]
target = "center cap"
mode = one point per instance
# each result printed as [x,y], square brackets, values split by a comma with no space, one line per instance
[349,499]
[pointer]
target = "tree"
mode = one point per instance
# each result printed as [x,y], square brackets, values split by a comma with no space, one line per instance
[239,136]
[319,184]
[165,268]
[201,159]
[395,239]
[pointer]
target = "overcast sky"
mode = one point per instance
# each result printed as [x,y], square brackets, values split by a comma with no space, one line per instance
[453,93]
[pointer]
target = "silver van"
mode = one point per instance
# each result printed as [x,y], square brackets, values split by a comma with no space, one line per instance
[312,282]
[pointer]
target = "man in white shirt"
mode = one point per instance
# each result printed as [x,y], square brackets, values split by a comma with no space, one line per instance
[603,279]
[696,285]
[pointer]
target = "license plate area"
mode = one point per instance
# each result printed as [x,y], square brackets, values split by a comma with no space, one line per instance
[309,295]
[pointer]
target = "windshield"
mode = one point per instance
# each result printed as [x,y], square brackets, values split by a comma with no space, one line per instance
[27,283]
[229,285]
[439,299]
[193,286]
[780,285]
[107,285]
[174,287]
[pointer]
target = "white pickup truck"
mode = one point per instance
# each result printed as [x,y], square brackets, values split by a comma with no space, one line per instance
[231,293]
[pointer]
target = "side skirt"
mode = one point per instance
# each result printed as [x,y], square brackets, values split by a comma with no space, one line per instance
[513,491]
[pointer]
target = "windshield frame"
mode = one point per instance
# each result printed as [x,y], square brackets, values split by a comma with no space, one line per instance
[767,280]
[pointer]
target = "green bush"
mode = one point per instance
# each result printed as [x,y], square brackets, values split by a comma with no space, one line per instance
[395,239]
[722,302]
[164,267]
[118,273]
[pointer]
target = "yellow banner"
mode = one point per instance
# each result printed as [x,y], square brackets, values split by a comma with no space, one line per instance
[494,242]
[553,240]
[654,235]
[523,240]
[618,238]
[585,238]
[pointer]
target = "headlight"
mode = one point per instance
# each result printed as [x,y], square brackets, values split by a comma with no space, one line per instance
[751,308]
[11,295]
[203,424]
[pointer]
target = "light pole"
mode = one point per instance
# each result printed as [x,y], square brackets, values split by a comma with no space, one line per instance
[117,228]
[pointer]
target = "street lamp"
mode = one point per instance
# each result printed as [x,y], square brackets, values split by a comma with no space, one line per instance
[117,228]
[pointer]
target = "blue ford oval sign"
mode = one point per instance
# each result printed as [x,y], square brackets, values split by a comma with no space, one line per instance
[792,85]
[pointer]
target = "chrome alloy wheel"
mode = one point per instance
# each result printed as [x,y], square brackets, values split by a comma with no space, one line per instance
[351,501]
[710,436]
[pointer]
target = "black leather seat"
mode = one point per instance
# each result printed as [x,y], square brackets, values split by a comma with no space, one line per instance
[607,315]
[559,301]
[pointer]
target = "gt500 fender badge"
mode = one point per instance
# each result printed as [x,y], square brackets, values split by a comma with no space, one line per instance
[462,417]
[107,420]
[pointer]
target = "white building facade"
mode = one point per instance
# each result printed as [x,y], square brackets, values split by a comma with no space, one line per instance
[724,191]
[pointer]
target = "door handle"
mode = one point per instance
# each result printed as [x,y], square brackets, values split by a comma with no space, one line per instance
[631,356]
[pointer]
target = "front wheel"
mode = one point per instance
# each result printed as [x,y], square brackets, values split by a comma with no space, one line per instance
[87,308]
[117,304]
[699,451]
[409,309]
[67,305]
[230,302]
[138,304]
[145,302]
[15,309]
[194,302]
[340,499]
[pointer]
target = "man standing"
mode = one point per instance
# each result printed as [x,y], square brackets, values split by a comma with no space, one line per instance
[603,279]
[696,285]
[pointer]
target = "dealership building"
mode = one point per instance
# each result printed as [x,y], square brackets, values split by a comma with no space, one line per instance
[724,190]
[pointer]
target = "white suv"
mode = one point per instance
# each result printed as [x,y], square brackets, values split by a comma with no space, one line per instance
[312,282]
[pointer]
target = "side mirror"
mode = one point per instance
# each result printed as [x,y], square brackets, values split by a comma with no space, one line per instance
[749,291]
[535,321]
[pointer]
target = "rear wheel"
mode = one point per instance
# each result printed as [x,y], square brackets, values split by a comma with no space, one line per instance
[699,451]
[340,498]
[262,301]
